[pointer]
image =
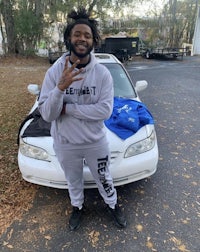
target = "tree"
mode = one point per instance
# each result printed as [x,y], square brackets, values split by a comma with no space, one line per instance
[7,14]
[28,21]
[179,19]
[25,23]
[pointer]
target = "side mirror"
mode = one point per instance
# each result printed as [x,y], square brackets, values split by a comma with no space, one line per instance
[141,85]
[34,89]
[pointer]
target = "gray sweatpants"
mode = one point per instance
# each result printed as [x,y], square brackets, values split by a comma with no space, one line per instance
[97,157]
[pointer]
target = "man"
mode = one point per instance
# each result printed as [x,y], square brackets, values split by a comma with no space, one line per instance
[76,97]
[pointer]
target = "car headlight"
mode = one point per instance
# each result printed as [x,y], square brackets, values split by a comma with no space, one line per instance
[141,146]
[33,151]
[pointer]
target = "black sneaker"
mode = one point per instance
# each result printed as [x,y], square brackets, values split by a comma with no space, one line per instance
[75,218]
[118,216]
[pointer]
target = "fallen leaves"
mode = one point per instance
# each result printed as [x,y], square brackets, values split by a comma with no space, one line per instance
[174,153]
[48,237]
[187,176]
[178,243]
[15,194]
[150,244]
[186,221]
[94,237]
[6,244]
[139,228]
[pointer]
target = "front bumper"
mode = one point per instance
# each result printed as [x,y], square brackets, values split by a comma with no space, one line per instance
[123,170]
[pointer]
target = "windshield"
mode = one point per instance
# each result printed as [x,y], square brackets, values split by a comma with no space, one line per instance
[122,84]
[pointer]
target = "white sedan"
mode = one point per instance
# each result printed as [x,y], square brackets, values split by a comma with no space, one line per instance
[133,158]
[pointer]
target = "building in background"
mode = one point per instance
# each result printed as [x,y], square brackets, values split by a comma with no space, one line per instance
[196,38]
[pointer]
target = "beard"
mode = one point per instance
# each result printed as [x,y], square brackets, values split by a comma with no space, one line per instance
[72,48]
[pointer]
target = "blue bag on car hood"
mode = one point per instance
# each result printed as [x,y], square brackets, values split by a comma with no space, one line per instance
[128,117]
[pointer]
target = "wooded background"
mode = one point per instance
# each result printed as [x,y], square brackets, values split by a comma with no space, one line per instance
[25,24]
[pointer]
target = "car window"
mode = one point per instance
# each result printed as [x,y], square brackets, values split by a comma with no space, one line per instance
[122,84]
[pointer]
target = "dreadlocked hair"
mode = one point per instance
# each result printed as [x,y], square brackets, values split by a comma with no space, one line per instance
[81,16]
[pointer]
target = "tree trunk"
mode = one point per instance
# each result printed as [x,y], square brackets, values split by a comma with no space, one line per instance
[7,14]
[173,22]
[3,37]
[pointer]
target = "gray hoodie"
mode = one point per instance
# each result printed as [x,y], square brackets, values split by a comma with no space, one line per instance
[88,103]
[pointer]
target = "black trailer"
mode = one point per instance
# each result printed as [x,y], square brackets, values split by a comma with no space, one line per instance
[123,48]
[163,52]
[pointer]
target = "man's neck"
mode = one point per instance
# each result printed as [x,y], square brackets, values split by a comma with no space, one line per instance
[83,61]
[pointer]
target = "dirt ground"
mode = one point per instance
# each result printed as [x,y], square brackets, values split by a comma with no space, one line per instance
[16,73]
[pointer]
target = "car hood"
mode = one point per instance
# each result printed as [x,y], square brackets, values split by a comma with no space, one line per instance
[116,144]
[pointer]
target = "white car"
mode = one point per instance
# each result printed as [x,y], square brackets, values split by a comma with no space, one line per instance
[132,159]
